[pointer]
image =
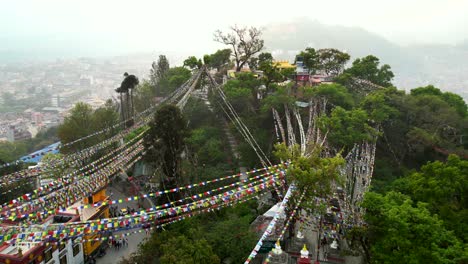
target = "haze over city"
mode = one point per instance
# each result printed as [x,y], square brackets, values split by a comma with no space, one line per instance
[82,28]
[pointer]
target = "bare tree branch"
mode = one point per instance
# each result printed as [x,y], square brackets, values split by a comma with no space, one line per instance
[245,42]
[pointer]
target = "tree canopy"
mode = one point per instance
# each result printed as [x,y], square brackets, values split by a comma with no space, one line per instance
[158,70]
[219,59]
[347,127]
[401,232]
[331,61]
[313,173]
[173,79]
[443,186]
[367,68]
[454,100]
[416,212]
[192,62]
[83,121]
[244,42]
[165,141]
[310,58]
[271,73]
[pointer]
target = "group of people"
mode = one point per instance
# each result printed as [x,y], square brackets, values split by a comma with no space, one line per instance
[115,212]
[118,243]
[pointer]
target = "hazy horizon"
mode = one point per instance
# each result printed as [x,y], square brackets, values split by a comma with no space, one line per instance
[48,28]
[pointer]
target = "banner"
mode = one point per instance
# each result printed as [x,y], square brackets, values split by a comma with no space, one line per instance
[271,225]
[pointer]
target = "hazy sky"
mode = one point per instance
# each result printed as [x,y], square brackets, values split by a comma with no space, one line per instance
[137,26]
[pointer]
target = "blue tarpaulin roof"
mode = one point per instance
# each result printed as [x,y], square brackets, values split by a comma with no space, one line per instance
[37,155]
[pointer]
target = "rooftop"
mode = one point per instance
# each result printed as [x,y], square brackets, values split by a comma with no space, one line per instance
[13,249]
[284,65]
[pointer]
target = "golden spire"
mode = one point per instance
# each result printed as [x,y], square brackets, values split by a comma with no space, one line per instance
[277,250]
[304,252]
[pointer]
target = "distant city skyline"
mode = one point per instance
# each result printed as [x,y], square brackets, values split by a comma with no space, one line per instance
[92,28]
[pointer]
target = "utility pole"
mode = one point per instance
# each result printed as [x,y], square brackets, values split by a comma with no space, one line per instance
[317,261]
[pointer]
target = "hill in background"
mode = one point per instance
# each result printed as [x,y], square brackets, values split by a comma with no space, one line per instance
[444,66]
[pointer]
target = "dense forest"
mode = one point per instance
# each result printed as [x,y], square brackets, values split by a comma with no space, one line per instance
[416,209]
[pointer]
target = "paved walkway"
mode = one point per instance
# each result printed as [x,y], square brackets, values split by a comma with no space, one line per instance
[113,255]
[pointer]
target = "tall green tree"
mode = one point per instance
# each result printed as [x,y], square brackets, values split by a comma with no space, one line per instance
[191,62]
[173,79]
[220,58]
[226,233]
[434,124]
[165,142]
[454,100]
[253,63]
[242,92]
[271,73]
[128,85]
[11,151]
[76,125]
[400,232]
[105,117]
[444,187]
[265,57]
[311,59]
[207,59]
[207,145]
[181,250]
[367,68]
[332,61]
[346,127]
[158,72]
[144,96]
[336,95]
[379,108]
[311,173]
[83,121]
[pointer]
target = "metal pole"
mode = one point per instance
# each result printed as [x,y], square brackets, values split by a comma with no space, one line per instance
[318,241]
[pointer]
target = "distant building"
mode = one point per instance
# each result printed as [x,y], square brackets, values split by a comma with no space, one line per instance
[86,81]
[300,67]
[36,118]
[14,134]
[55,100]
[95,102]
[302,73]
[231,74]
[52,109]
[55,251]
[93,244]
[37,156]
[283,65]
[318,79]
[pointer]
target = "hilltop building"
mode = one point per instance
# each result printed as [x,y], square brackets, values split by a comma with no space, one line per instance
[15,133]
[282,65]
[91,248]
[57,251]
[52,251]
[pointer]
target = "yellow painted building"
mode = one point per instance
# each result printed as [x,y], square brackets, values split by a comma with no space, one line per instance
[284,65]
[93,213]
